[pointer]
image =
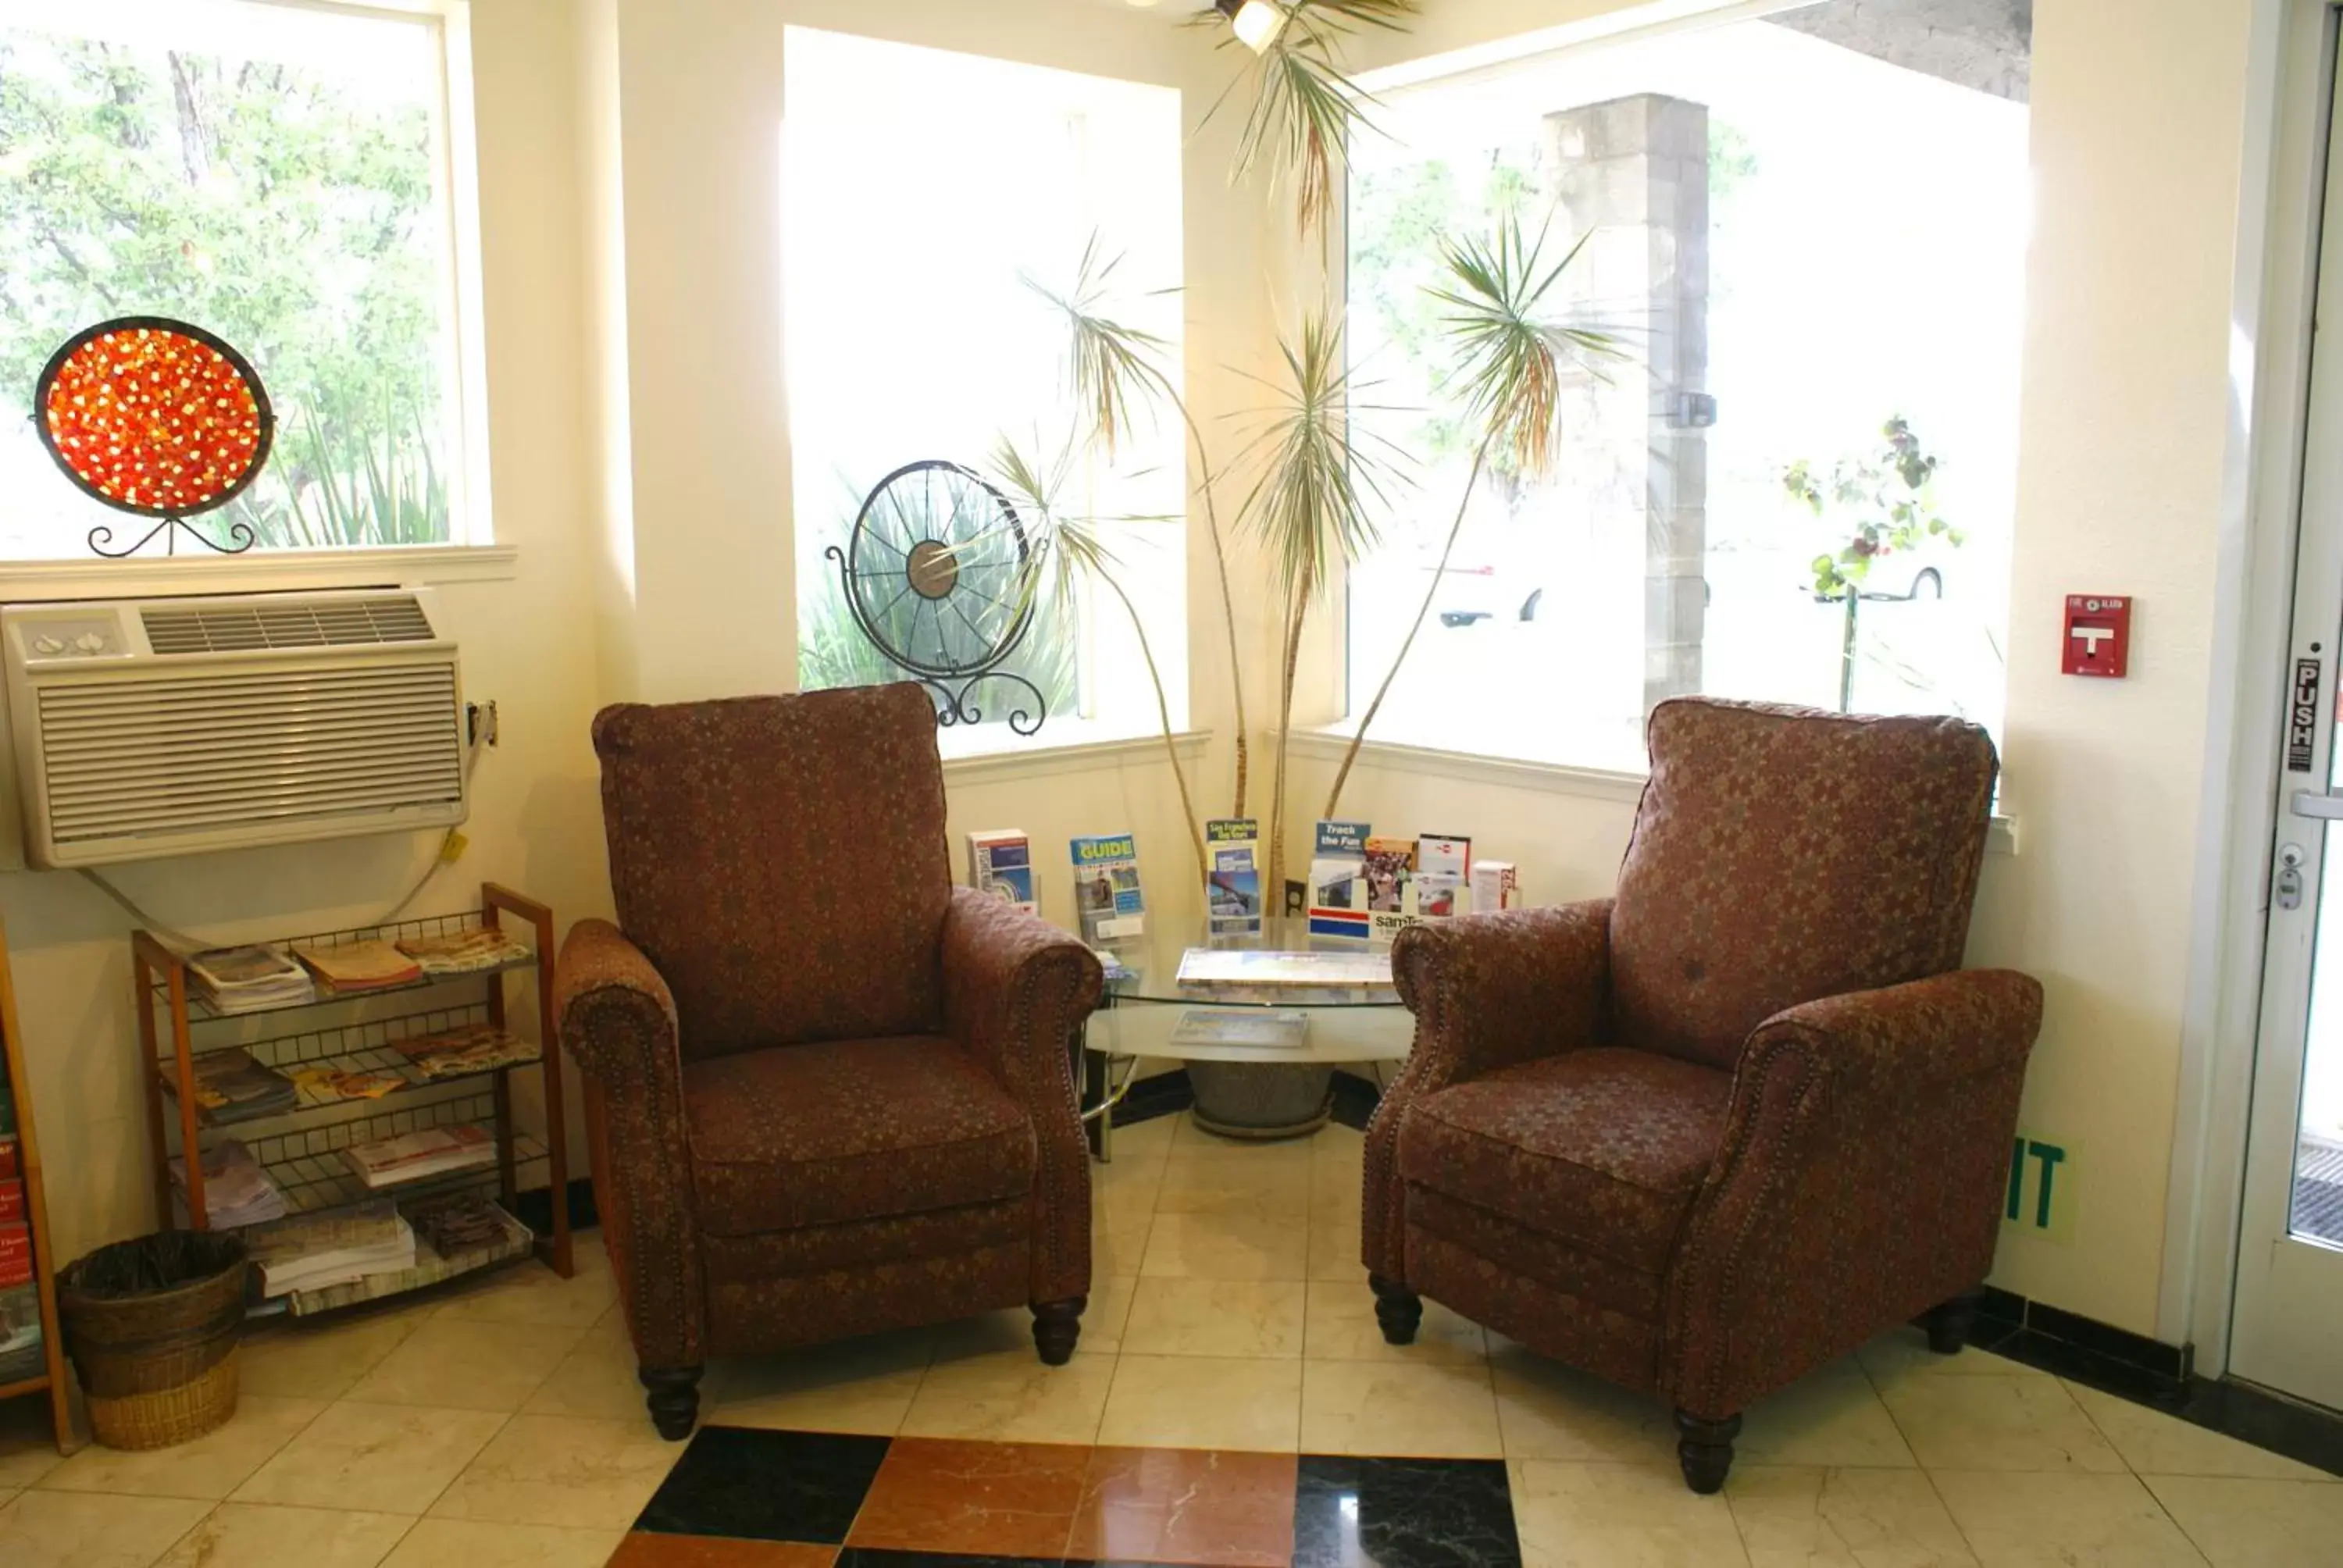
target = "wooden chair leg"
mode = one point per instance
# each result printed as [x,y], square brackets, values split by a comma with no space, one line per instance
[673,1397]
[1948,1323]
[1705,1449]
[1056,1326]
[1398,1310]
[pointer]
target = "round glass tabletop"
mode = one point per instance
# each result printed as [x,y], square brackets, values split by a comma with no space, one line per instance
[1281,965]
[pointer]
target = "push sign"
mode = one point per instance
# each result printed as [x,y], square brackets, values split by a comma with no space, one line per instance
[2302,716]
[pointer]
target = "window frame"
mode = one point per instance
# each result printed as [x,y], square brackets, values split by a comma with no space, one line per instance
[470,552]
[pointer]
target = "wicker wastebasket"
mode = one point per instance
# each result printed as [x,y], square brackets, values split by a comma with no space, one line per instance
[152,1327]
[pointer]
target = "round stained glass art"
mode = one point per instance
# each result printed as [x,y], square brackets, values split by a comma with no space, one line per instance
[154,416]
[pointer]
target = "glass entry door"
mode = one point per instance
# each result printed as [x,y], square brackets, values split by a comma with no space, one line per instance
[2289,1296]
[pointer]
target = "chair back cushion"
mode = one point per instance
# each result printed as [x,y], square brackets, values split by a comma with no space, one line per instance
[782,861]
[1782,855]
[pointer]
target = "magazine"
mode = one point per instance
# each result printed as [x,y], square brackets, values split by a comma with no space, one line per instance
[246,980]
[1232,892]
[361,966]
[1284,1028]
[458,1224]
[464,952]
[332,1085]
[1000,862]
[418,1156]
[236,1190]
[458,1053]
[310,1251]
[20,1332]
[1252,968]
[1338,881]
[230,1086]
[1106,888]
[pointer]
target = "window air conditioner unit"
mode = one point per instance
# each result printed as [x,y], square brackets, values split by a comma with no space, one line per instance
[146,728]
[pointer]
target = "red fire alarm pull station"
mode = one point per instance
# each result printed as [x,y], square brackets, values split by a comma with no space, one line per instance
[2098,635]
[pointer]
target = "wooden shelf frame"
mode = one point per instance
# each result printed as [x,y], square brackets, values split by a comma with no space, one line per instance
[167,1003]
[51,1380]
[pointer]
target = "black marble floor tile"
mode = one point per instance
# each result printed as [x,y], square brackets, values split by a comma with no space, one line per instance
[1404,1513]
[766,1485]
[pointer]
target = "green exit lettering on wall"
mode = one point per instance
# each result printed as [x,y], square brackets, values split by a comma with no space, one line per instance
[2041,1198]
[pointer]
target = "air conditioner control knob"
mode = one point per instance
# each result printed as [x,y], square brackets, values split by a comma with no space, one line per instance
[48,645]
[90,642]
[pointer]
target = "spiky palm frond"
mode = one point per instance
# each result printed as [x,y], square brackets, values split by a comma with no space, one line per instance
[1305,107]
[1115,368]
[1320,484]
[1510,360]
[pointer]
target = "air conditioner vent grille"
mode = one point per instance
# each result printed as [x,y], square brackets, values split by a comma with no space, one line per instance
[178,754]
[266,625]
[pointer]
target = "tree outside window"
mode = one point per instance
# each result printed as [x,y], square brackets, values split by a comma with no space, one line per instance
[272,175]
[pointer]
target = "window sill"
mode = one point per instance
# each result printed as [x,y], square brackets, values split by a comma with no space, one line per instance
[408,565]
[1553,777]
[1073,754]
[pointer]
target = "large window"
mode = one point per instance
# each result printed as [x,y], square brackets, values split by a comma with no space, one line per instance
[1806,235]
[275,172]
[930,198]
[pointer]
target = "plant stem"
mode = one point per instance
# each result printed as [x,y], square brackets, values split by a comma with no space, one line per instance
[1846,656]
[1298,613]
[1228,602]
[1163,715]
[1351,755]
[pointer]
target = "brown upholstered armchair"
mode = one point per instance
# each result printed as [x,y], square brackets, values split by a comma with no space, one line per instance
[1704,1137]
[829,1092]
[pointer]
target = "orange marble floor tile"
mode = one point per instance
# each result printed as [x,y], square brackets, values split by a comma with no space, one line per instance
[645,1549]
[978,1499]
[1220,1510]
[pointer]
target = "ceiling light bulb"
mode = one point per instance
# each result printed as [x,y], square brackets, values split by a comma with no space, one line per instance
[1258,22]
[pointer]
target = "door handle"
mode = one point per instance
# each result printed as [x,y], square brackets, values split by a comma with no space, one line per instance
[2318,804]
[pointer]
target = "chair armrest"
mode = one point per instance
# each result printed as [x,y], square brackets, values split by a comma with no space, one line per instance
[1913,1039]
[1859,1181]
[1491,990]
[1016,993]
[601,975]
[618,1021]
[1487,991]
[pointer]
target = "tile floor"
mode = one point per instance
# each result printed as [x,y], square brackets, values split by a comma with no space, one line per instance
[503,1426]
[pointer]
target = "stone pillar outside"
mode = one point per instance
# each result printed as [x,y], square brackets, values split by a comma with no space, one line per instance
[1632,176]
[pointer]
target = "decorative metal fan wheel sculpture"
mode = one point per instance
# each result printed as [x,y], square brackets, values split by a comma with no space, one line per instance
[939,575]
[157,419]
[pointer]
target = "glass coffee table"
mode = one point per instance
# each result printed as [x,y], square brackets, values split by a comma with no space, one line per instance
[1260,1057]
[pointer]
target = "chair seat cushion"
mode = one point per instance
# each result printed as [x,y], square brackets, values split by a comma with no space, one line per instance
[1602,1148]
[845,1129]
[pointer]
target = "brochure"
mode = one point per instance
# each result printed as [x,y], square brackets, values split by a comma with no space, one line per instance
[1233,893]
[307,1251]
[1391,863]
[1496,885]
[1338,881]
[460,1052]
[1000,862]
[1106,888]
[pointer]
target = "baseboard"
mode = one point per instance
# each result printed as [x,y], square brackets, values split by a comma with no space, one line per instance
[534,1208]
